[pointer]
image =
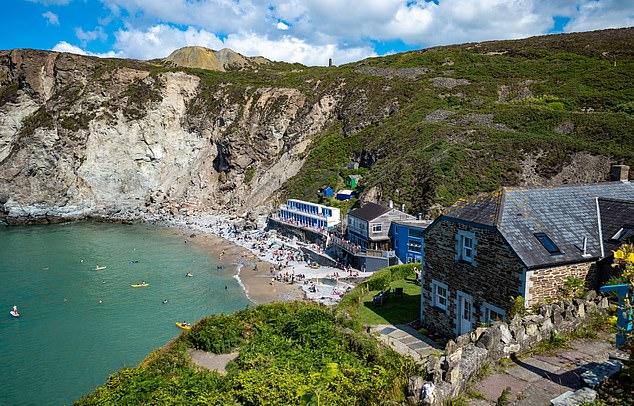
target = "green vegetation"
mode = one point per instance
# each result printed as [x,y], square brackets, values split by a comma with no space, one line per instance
[249,173]
[504,398]
[289,353]
[139,94]
[357,305]
[518,307]
[8,94]
[573,287]
[531,97]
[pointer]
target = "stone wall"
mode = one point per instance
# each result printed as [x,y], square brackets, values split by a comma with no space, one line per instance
[543,284]
[494,279]
[449,374]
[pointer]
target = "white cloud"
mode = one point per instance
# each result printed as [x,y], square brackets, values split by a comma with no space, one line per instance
[291,49]
[604,14]
[51,18]
[64,46]
[160,40]
[88,36]
[416,22]
[311,31]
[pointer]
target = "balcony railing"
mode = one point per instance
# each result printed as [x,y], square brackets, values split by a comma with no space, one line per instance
[298,211]
[297,224]
[355,249]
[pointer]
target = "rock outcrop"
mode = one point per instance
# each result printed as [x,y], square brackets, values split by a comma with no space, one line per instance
[81,137]
[205,58]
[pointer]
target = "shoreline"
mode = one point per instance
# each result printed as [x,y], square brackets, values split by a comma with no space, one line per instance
[255,284]
[269,267]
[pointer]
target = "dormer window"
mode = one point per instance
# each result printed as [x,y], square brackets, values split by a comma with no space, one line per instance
[548,244]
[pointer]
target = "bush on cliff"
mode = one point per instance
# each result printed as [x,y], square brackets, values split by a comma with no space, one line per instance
[289,353]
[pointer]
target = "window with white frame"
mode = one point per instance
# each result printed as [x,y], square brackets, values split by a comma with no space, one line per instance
[491,314]
[440,294]
[465,246]
[376,228]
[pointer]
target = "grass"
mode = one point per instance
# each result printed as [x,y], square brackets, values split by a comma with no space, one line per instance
[356,308]
[395,310]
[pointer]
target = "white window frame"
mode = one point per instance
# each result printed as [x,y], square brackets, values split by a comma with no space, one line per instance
[485,312]
[461,248]
[434,295]
[374,227]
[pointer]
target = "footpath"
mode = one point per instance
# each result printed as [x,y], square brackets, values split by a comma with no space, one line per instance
[564,377]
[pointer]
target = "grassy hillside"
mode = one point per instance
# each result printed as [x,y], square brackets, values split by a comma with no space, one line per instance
[467,117]
[291,353]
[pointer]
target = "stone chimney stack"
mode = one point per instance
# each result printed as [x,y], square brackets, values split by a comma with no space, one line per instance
[619,173]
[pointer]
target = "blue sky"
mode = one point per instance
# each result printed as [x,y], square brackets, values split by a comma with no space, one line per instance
[306,31]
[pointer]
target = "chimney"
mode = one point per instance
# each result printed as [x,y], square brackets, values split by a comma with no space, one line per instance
[419,216]
[329,62]
[390,204]
[403,207]
[619,173]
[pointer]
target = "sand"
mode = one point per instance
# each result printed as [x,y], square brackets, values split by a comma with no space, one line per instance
[256,283]
[253,253]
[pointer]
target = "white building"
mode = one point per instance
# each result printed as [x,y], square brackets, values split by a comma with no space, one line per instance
[309,214]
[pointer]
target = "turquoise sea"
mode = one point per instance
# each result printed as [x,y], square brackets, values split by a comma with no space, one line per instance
[79,325]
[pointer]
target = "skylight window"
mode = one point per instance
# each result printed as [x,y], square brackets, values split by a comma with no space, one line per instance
[550,246]
[625,234]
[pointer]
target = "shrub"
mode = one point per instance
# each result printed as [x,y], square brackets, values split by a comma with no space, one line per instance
[518,307]
[573,287]
[219,334]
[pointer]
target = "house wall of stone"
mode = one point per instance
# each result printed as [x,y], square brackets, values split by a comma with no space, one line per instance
[545,284]
[496,276]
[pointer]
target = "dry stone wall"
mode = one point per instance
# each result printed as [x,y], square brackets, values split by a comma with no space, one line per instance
[449,374]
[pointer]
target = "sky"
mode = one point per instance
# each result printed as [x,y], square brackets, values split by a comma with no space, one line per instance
[305,31]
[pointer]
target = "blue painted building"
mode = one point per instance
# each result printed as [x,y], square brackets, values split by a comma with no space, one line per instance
[407,239]
[345,194]
[327,191]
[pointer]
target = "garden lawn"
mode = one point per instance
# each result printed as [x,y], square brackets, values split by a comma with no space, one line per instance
[394,310]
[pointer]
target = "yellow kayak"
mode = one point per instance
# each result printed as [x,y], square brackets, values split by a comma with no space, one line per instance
[140,285]
[184,326]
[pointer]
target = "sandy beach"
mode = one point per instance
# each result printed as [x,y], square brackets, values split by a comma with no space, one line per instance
[269,266]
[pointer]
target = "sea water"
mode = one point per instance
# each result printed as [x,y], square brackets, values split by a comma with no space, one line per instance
[77,324]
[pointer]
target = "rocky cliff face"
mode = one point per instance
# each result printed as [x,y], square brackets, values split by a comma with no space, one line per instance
[81,136]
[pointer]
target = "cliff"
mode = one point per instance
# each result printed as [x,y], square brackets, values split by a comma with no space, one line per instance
[82,136]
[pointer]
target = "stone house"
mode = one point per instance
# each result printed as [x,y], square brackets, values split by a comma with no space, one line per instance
[519,242]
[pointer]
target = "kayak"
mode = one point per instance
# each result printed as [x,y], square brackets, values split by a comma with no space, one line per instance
[140,285]
[100,268]
[14,314]
[184,326]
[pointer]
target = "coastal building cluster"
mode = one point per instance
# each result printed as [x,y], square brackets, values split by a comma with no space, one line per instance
[481,256]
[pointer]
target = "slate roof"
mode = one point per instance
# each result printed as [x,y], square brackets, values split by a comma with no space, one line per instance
[369,211]
[566,214]
[422,224]
[482,210]
[616,215]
